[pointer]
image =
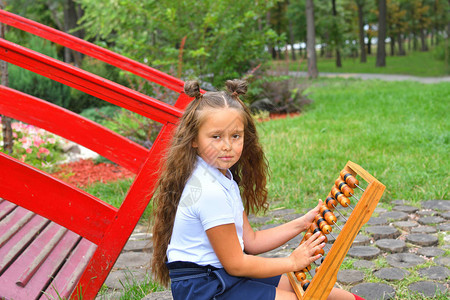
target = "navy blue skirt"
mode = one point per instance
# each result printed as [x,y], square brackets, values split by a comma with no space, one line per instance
[190,281]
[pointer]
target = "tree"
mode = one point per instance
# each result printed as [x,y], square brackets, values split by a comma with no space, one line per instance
[311,40]
[362,47]
[381,47]
[224,39]
[336,35]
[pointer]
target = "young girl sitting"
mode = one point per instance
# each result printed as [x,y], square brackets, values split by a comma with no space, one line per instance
[214,175]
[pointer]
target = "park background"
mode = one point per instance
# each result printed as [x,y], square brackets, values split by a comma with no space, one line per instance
[397,130]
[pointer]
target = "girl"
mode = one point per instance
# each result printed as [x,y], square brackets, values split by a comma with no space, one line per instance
[214,175]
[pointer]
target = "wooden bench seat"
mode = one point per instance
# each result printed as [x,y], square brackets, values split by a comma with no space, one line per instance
[38,255]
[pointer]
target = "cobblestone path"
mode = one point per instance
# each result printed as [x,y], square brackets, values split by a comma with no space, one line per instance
[407,246]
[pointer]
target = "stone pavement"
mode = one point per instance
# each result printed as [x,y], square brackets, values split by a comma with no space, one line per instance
[408,247]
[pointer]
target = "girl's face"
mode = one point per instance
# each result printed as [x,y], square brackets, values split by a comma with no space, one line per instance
[220,138]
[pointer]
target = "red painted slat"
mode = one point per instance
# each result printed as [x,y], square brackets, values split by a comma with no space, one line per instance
[53,199]
[69,275]
[42,277]
[10,225]
[18,242]
[37,253]
[55,119]
[5,208]
[88,83]
[92,50]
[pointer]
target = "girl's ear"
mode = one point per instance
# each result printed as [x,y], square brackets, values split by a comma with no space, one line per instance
[194,144]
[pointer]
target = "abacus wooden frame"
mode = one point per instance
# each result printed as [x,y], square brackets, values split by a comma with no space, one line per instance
[324,280]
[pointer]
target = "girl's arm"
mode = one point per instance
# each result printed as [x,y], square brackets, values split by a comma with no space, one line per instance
[226,245]
[269,239]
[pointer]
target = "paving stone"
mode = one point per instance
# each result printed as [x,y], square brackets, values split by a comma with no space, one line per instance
[446,215]
[435,272]
[365,264]
[363,252]
[406,208]
[350,276]
[446,247]
[406,225]
[443,261]
[427,288]
[280,213]
[258,220]
[361,240]
[379,210]
[395,215]
[132,259]
[140,236]
[430,220]
[383,232]
[138,246]
[377,221]
[447,239]
[430,251]
[424,229]
[404,260]
[422,239]
[373,291]
[443,227]
[391,245]
[443,205]
[165,295]
[400,202]
[427,213]
[120,278]
[391,273]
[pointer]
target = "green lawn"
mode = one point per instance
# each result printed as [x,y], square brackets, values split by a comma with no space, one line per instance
[415,63]
[398,131]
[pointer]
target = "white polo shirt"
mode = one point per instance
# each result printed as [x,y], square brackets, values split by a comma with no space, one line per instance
[209,199]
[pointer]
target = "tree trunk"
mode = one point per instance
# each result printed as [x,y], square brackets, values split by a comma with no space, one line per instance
[292,41]
[8,141]
[328,53]
[423,40]
[311,40]
[369,45]
[392,43]
[70,22]
[381,47]
[362,46]
[336,40]
[401,50]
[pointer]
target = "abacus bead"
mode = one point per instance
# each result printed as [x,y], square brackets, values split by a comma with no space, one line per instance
[300,276]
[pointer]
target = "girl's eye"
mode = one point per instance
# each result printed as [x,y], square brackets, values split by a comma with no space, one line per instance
[236,136]
[216,136]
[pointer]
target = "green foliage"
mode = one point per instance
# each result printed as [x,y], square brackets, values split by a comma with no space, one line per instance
[126,123]
[224,38]
[32,83]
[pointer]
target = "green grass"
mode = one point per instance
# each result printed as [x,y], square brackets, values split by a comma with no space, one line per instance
[398,131]
[414,63]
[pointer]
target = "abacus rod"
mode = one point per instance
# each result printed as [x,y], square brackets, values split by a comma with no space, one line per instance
[340,213]
[359,188]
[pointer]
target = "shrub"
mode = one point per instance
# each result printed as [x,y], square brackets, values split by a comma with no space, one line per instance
[35,146]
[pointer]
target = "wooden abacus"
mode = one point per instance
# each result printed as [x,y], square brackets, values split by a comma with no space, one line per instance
[325,278]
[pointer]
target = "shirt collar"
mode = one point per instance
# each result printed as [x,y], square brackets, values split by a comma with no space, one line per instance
[215,174]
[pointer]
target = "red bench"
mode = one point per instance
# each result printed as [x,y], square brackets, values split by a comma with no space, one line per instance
[55,239]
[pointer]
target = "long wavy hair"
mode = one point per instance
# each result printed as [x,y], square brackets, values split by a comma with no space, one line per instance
[250,172]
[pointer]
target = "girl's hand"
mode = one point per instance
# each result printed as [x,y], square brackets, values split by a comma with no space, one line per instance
[303,255]
[309,217]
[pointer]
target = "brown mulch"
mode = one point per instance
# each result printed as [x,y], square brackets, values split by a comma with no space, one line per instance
[85,172]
